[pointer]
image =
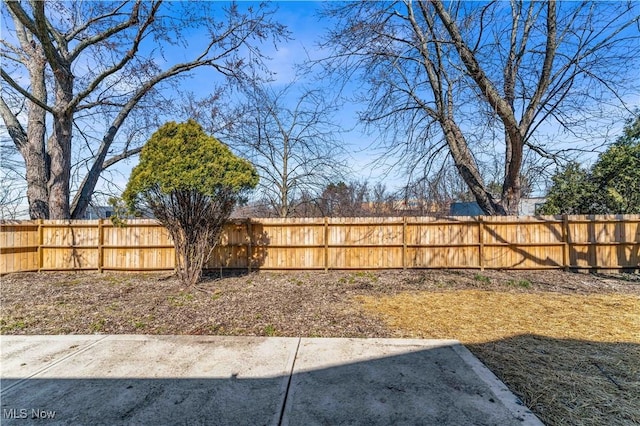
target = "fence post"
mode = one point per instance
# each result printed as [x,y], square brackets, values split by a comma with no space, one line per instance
[100,245]
[565,239]
[40,244]
[249,245]
[326,244]
[481,242]
[404,243]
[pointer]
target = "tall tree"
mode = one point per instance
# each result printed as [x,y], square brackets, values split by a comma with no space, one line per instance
[191,182]
[344,199]
[442,75]
[572,192]
[617,172]
[101,61]
[291,138]
[611,186]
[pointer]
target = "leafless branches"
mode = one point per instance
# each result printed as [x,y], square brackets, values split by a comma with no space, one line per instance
[106,63]
[294,148]
[458,73]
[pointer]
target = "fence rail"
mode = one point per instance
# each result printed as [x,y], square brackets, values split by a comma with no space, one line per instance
[583,242]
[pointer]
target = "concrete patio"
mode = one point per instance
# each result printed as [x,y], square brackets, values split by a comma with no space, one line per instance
[133,379]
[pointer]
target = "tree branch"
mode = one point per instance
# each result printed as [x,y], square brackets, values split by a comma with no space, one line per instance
[123,155]
[14,128]
[133,20]
[6,77]
[127,58]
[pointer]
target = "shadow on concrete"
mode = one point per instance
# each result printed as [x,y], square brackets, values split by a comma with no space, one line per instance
[140,401]
[417,386]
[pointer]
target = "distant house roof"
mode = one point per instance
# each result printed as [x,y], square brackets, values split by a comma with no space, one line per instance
[98,212]
[465,209]
[105,212]
[527,207]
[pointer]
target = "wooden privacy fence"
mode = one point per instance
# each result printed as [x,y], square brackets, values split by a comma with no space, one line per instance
[591,242]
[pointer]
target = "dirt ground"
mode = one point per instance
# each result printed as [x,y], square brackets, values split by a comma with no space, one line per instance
[567,343]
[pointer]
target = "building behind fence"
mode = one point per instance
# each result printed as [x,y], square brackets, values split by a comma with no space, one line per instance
[582,242]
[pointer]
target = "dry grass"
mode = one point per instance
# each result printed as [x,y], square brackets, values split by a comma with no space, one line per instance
[573,359]
[476,316]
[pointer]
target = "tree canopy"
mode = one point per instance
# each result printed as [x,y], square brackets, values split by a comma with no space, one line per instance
[611,186]
[182,157]
[295,148]
[191,182]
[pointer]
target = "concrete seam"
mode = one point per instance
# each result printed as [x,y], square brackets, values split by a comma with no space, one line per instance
[286,393]
[4,391]
[498,388]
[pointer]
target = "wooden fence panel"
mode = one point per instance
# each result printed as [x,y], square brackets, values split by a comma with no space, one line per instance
[69,245]
[442,243]
[611,241]
[142,245]
[364,243]
[443,257]
[19,247]
[592,242]
[523,242]
[287,243]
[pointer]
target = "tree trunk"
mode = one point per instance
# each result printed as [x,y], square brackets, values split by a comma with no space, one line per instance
[37,174]
[31,144]
[511,188]
[468,169]
[59,148]
[34,151]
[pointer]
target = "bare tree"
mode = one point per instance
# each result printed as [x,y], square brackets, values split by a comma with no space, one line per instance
[295,149]
[447,77]
[72,63]
[344,199]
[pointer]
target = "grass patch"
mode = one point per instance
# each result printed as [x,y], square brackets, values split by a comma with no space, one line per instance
[482,278]
[296,281]
[519,283]
[367,275]
[139,324]
[270,330]
[180,299]
[98,325]
[359,276]
[573,359]
[70,283]
[12,325]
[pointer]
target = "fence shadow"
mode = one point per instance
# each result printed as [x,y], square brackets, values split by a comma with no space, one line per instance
[243,248]
[622,250]
[628,254]
[525,252]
